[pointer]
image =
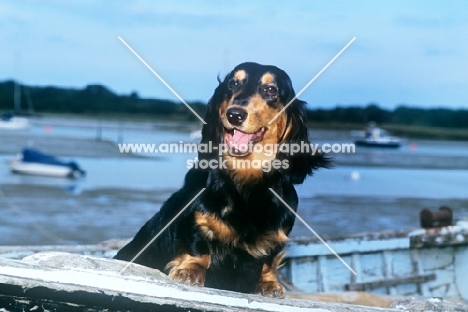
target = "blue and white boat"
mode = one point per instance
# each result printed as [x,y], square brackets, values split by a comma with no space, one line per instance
[374,136]
[34,162]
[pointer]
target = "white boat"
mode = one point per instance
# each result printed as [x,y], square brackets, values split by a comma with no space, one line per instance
[33,162]
[12,122]
[415,262]
[405,270]
[9,121]
[374,136]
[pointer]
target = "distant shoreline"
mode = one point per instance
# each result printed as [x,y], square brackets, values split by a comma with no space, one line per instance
[413,132]
[407,131]
[99,102]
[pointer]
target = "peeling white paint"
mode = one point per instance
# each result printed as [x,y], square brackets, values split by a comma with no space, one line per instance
[127,285]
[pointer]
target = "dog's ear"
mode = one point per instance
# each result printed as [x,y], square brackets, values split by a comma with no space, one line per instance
[304,162]
[213,129]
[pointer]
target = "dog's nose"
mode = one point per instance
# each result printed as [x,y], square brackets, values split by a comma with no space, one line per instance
[236,116]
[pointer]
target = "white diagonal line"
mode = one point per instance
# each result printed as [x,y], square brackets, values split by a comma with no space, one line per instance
[313,79]
[161,79]
[315,233]
[162,230]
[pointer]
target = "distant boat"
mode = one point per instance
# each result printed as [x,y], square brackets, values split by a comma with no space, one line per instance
[9,121]
[374,136]
[34,162]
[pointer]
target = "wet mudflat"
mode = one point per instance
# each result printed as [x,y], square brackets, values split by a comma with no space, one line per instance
[369,190]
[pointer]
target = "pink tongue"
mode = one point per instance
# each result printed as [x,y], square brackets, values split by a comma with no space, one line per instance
[241,138]
[239,141]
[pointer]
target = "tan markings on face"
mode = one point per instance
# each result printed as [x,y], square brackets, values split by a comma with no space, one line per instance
[267,78]
[259,114]
[240,75]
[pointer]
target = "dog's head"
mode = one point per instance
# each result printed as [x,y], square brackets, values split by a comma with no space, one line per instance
[252,113]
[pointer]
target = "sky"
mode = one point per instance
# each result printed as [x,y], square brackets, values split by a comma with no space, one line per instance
[406,52]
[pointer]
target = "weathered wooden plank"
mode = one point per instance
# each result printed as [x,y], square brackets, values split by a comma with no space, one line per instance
[106,249]
[356,265]
[323,274]
[402,264]
[410,304]
[70,280]
[437,258]
[440,237]
[337,273]
[390,282]
[348,246]
[461,270]
[387,260]
[304,273]
[415,255]
[371,267]
[407,289]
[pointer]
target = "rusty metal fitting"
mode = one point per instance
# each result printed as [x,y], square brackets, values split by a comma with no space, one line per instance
[440,218]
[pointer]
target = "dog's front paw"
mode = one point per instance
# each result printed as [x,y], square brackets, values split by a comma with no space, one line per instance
[270,289]
[192,276]
[187,269]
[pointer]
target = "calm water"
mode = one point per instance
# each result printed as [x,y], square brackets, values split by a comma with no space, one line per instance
[349,198]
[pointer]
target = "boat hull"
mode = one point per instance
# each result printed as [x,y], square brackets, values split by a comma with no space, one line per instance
[14,123]
[39,169]
[418,262]
[377,144]
[33,162]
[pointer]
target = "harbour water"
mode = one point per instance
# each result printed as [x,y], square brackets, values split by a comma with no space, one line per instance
[370,190]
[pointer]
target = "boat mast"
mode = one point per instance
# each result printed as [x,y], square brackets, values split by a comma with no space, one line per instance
[27,94]
[17,87]
[17,98]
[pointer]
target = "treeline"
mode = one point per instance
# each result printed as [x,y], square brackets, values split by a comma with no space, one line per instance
[402,115]
[98,99]
[91,100]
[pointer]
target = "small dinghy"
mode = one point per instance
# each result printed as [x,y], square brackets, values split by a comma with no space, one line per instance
[34,162]
[374,136]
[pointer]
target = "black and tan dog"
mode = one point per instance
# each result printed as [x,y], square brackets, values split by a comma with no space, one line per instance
[232,236]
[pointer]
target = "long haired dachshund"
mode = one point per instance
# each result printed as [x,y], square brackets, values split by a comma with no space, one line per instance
[232,236]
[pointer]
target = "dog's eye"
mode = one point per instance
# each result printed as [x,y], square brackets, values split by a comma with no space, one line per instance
[233,84]
[271,90]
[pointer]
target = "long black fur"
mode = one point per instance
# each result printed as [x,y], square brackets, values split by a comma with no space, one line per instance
[255,210]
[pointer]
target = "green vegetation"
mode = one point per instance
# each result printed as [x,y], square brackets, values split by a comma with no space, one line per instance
[437,123]
[95,99]
[402,115]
